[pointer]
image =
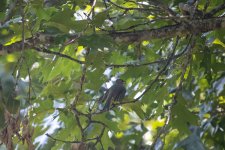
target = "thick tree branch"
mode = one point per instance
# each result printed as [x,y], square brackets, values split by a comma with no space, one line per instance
[195,26]
[184,28]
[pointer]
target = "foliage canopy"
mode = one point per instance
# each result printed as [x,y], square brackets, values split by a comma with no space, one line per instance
[57,57]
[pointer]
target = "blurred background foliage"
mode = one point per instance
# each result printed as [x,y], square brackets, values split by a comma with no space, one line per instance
[67,57]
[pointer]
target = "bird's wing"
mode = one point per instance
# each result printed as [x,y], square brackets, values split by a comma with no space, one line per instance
[121,94]
[109,97]
[103,97]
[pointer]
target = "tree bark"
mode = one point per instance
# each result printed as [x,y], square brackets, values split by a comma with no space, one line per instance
[185,27]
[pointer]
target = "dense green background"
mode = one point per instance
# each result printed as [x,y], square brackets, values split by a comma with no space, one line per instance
[53,56]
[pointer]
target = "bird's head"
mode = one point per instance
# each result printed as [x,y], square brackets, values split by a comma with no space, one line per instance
[120,81]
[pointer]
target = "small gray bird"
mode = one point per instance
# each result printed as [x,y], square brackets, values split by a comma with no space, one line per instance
[115,93]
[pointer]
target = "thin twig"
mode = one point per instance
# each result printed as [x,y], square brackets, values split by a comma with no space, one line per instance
[79,125]
[30,86]
[108,65]
[58,54]
[75,141]
[82,79]
[160,73]
[168,118]
[154,81]
[147,63]
[76,99]
[215,10]
[23,47]
[92,8]
[99,137]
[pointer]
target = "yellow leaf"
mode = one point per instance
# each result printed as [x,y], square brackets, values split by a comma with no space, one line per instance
[151,17]
[154,124]
[186,73]
[124,125]
[144,43]
[80,49]
[119,135]
[126,118]
[158,123]
[13,40]
[217,41]
[203,84]
[88,8]
[221,100]
[207,116]
[11,58]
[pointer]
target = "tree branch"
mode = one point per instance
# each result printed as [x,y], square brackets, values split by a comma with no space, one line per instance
[184,28]
[215,10]
[147,63]
[161,71]
[194,27]
[168,118]
[58,54]
[55,139]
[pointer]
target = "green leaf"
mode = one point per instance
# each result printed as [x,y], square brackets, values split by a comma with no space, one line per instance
[95,79]
[63,17]
[96,41]
[100,18]
[59,26]
[110,124]
[218,67]
[136,107]
[70,130]
[2,16]
[3,5]
[106,141]
[135,72]
[157,95]
[79,25]
[117,58]
[125,22]
[182,117]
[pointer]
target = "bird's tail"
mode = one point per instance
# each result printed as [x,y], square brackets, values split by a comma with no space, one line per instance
[107,105]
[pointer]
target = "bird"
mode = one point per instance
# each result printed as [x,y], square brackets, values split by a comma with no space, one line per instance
[115,93]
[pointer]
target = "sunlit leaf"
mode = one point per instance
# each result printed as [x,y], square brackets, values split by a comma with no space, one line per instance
[217,41]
